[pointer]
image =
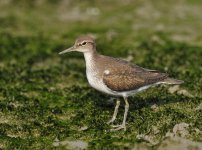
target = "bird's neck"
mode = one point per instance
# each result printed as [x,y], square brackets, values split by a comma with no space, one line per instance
[90,59]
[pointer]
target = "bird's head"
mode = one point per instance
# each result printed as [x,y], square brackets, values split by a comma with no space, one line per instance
[83,44]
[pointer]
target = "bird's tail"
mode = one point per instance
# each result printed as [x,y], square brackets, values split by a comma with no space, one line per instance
[172,81]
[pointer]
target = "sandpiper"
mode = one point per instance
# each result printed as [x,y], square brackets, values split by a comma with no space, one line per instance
[115,76]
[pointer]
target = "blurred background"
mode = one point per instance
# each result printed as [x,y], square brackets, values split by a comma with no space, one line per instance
[45,100]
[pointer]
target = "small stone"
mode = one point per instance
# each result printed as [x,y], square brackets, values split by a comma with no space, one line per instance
[176,88]
[78,144]
[83,128]
[181,129]
[178,143]
[56,142]
[155,108]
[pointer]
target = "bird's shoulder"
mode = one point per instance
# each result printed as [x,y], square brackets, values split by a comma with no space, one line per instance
[117,64]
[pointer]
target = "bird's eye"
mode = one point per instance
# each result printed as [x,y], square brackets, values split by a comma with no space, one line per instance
[84,43]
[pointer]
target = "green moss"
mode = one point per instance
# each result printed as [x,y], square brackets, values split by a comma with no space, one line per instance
[44,96]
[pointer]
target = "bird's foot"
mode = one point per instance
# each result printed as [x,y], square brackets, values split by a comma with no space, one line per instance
[118,127]
[110,121]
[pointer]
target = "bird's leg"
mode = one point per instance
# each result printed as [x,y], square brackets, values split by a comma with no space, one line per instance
[123,125]
[115,112]
[126,112]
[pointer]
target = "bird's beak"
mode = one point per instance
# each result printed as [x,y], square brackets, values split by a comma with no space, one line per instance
[68,50]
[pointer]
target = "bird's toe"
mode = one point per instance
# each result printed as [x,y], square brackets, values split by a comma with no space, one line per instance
[118,127]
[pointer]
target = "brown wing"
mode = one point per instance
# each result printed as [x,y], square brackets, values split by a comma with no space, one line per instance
[126,81]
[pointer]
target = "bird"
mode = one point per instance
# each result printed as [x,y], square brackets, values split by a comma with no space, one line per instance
[116,77]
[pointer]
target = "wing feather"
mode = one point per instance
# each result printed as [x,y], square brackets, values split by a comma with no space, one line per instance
[126,81]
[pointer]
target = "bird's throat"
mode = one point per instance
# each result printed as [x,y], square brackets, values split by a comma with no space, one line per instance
[90,58]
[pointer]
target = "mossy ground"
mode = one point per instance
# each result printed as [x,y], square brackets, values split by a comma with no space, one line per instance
[44,96]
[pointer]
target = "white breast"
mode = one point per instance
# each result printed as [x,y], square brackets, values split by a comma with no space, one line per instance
[92,75]
[95,82]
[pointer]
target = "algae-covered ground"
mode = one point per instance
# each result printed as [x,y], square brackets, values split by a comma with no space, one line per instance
[45,99]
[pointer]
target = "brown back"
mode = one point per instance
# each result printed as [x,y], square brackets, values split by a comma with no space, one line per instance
[124,76]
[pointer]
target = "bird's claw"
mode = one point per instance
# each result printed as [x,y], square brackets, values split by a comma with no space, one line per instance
[118,127]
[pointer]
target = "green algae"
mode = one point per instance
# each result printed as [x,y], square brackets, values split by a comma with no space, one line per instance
[44,96]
